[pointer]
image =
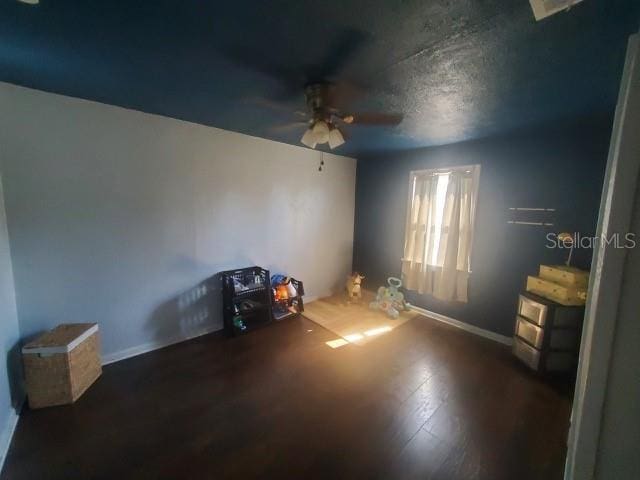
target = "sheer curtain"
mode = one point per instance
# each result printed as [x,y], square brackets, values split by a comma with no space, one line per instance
[439,232]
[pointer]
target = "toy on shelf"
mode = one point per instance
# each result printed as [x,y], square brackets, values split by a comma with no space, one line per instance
[389,299]
[238,321]
[283,287]
[286,297]
[354,287]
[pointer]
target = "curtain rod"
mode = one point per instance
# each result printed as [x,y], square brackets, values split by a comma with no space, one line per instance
[445,170]
[423,173]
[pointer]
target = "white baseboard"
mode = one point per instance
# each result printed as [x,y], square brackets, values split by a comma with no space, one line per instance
[496,337]
[6,435]
[151,346]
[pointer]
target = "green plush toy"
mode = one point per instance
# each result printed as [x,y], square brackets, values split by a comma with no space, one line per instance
[389,299]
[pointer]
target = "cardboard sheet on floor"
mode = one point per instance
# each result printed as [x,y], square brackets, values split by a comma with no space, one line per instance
[354,322]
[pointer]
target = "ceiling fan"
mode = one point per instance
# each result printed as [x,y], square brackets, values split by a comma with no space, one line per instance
[326,93]
[326,119]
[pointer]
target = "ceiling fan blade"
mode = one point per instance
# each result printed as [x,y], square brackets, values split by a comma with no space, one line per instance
[342,50]
[290,79]
[342,94]
[372,118]
[273,105]
[288,127]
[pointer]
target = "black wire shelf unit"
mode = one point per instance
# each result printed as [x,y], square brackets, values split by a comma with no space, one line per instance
[246,299]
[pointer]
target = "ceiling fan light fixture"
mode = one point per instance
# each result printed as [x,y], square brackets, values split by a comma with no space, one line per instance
[309,138]
[335,138]
[321,131]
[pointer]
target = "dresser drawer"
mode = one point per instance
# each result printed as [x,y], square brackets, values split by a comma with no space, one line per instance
[543,361]
[555,339]
[533,334]
[532,310]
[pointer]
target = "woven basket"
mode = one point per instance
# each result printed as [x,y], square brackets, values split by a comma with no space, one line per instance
[61,364]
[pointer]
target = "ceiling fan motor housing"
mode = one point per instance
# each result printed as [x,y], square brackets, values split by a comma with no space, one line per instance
[317,95]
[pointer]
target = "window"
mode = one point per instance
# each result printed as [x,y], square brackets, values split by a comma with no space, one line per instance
[439,230]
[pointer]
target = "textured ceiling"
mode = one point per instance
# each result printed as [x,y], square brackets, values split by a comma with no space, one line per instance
[457,69]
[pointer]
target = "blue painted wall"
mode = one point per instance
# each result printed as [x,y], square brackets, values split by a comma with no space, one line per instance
[10,396]
[558,166]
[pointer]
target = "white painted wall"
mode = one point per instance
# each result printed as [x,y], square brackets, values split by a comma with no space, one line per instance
[115,216]
[619,446]
[617,455]
[10,394]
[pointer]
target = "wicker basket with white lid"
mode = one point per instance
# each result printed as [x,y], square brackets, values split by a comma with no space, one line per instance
[61,364]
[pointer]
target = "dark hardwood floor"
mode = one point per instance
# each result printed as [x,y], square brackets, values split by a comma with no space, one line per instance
[425,401]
